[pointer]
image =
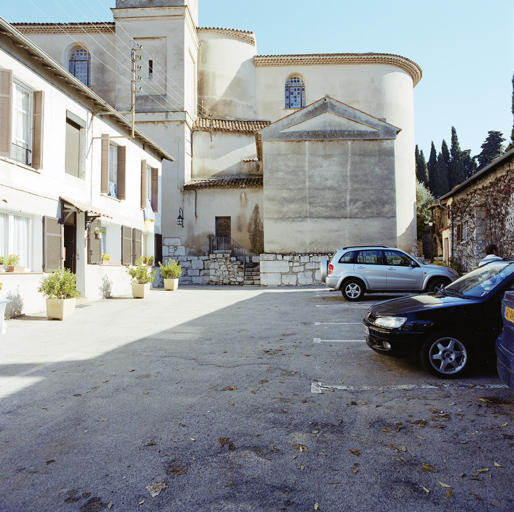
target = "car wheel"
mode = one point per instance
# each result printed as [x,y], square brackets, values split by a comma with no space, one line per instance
[353,289]
[446,356]
[436,285]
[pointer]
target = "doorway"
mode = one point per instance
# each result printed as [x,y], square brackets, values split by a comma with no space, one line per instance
[223,233]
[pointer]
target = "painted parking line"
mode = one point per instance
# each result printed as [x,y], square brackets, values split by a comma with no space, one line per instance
[319,340]
[337,323]
[319,387]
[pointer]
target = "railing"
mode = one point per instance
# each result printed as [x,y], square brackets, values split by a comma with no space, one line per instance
[21,154]
[225,243]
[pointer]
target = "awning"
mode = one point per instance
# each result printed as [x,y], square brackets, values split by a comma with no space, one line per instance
[71,206]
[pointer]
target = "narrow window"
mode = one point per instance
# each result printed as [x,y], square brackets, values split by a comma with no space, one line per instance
[15,237]
[80,65]
[295,92]
[113,170]
[22,125]
[74,146]
[150,68]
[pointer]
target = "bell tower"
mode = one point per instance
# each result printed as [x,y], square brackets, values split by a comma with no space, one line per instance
[163,35]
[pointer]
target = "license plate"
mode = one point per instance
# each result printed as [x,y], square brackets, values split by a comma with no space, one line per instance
[509,314]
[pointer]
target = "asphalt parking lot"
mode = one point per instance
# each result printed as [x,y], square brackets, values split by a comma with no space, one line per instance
[243,399]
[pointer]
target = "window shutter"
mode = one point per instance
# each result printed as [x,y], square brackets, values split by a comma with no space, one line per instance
[37,134]
[126,245]
[459,232]
[158,248]
[137,245]
[95,245]
[144,192]
[155,189]
[6,99]
[122,165]
[104,180]
[52,249]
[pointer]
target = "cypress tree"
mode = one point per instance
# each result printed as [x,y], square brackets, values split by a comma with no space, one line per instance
[511,145]
[441,177]
[432,169]
[421,167]
[491,148]
[457,172]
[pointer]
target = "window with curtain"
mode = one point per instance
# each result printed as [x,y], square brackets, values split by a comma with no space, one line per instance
[15,237]
[113,170]
[80,65]
[295,92]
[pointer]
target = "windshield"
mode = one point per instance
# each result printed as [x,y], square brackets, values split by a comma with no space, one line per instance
[481,281]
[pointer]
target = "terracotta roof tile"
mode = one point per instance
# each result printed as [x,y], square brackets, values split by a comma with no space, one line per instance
[69,28]
[242,35]
[227,125]
[225,183]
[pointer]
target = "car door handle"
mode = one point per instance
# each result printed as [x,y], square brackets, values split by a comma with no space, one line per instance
[391,268]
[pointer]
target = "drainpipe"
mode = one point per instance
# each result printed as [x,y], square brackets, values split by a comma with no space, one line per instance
[451,229]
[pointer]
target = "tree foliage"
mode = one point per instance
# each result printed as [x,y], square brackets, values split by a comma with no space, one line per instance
[491,149]
[421,167]
[424,199]
[511,145]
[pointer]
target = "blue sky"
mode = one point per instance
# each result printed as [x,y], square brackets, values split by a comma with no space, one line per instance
[465,47]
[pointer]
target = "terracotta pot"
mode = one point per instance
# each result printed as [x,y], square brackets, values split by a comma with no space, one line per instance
[15,268]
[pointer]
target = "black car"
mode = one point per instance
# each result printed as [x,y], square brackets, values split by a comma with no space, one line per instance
[448,330]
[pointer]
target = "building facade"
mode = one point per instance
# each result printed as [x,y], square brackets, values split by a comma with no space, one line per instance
[69,167]
[228,116]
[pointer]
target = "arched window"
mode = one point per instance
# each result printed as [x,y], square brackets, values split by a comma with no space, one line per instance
[80,65]
[295,92]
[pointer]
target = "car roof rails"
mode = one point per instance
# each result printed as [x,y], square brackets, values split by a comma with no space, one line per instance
[361,246]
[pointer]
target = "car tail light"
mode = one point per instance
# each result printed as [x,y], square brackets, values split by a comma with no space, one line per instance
[330,269]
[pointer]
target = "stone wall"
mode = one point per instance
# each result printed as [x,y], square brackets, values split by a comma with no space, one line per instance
[291,269]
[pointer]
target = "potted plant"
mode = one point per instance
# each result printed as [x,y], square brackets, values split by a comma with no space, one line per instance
[105,259]
[141,276]
[60,289]
[11,260]
[98,232]
[2,263]
[170,274]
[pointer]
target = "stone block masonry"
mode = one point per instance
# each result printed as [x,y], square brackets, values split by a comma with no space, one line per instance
[291,269]
[275,269]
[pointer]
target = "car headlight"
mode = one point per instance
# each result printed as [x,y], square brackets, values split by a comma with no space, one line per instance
[390,322]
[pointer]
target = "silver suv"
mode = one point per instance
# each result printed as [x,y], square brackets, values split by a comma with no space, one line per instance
[370,269]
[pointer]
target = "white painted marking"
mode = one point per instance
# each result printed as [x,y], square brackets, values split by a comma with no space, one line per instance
[338,323]
[318,387]
[319,340]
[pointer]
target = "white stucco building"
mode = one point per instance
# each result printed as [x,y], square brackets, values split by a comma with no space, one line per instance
[277,154]
[68,165]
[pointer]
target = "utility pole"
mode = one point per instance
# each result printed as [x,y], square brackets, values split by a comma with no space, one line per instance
[135,78]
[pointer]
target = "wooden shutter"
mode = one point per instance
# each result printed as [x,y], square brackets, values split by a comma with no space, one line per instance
[52,244]
[104,180]
[126,245]
[95,245]
[144,192]
[6,99]
[137,245]
[158,248]
[155,189]
[37,134]
[122,166]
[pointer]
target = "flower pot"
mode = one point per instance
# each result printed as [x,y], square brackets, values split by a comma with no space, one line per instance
[140,291]
[15,268]
[60,309]
[171,284]
[105,262]
[98,236]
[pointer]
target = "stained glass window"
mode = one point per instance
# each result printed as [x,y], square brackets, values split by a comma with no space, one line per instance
[295,92]
[80,65]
